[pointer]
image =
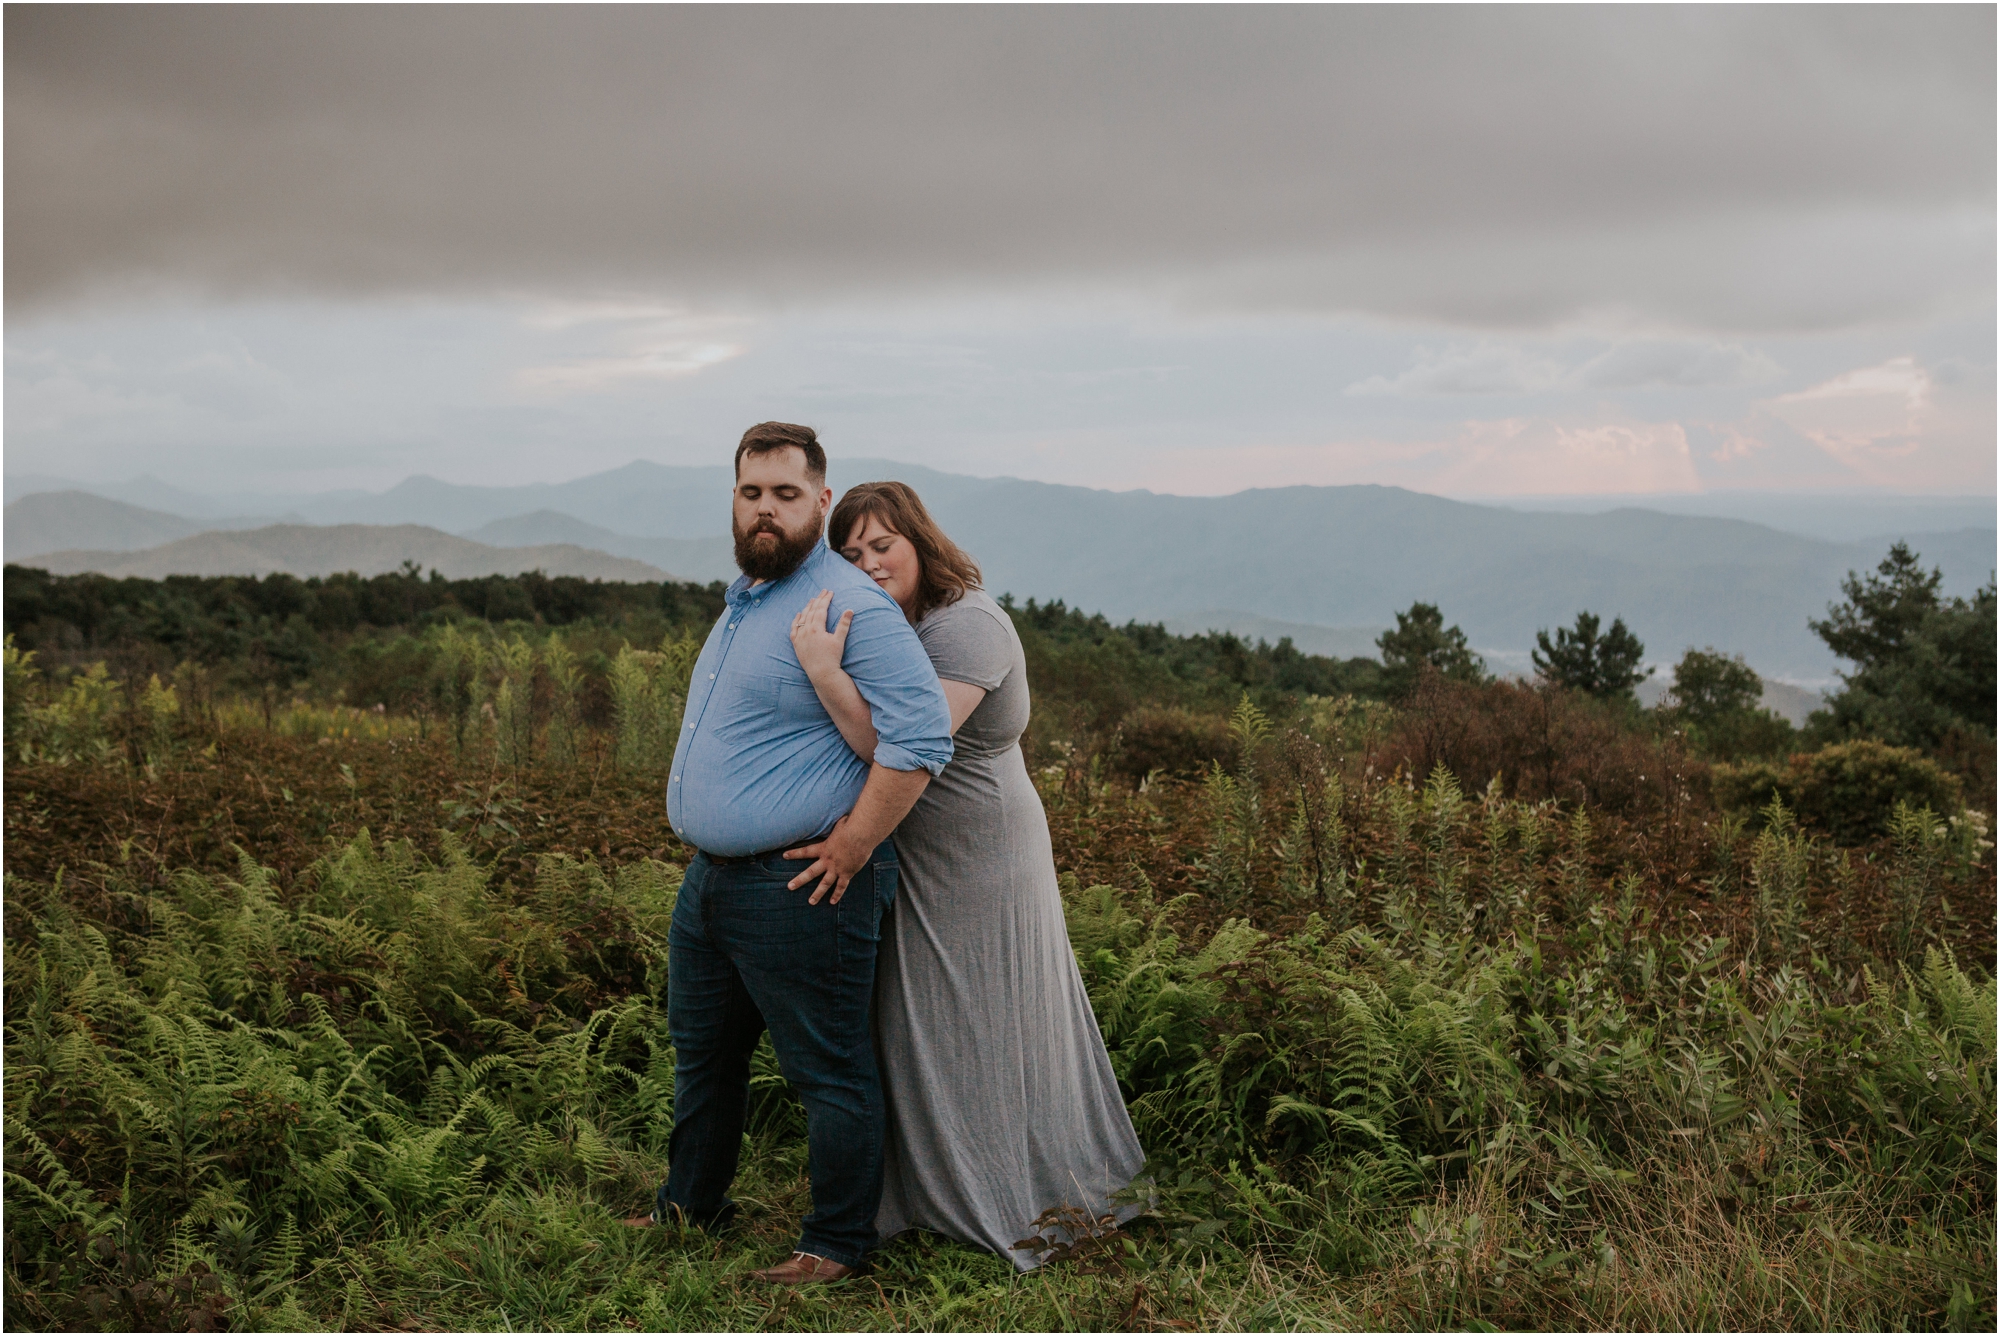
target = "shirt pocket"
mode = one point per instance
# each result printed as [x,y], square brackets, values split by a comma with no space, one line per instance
[797,702]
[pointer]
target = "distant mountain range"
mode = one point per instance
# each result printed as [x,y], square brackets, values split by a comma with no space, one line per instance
[151,492]
[1835,517]
[642,499]
[1330,564]
[48,521]
[367,549]
[701,559]
[1340,642]
[653,500]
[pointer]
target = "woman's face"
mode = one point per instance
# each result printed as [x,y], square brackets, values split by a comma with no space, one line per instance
[886,557]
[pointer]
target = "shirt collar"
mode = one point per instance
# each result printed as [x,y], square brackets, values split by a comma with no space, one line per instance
[740,593]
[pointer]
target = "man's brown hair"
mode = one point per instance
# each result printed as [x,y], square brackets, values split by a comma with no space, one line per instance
[765,437]
[944,571]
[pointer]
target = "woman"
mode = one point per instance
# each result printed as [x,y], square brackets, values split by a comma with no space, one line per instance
[1001,1099]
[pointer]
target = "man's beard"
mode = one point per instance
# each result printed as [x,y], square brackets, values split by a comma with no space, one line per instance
[774,561]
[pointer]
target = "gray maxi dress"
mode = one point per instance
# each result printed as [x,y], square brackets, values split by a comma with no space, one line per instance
[1001,1098]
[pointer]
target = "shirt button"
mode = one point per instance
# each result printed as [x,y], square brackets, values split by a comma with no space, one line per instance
[711,677]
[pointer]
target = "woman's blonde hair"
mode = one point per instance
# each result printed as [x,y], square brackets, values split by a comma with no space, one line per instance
[944,571]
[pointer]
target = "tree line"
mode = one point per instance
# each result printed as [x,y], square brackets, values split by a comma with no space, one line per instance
[1922,672]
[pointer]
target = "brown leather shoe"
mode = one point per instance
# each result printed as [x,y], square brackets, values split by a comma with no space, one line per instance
[803,1268]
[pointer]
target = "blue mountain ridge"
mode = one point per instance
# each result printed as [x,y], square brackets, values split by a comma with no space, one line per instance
[1323,556]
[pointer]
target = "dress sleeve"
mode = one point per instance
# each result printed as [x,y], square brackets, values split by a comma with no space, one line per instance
[969,643]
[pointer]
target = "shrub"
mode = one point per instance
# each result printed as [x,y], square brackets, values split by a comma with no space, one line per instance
[1849,790]
[1744,733]
[1542,741]
[1174,740]
[1749,787]
[1852,789]
[565,700]
[648,692]
[1235,811]
[71,722]
[20,685]
[395,674]
[154,713]
[458,687]
[514,702]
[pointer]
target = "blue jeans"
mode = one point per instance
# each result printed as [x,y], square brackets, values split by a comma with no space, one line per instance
[746,954]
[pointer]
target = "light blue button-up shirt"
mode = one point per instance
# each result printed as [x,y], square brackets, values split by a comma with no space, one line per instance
[760,764]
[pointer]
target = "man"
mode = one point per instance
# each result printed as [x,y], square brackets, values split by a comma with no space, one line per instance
[780,911]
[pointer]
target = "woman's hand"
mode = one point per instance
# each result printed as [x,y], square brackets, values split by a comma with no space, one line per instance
[819,649]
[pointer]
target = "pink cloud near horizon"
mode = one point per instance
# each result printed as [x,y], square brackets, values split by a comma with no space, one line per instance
[1897,426]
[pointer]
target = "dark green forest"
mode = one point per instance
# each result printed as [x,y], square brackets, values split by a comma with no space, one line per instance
[1922,676]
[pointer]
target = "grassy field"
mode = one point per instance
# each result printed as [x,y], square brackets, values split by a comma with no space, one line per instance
[319,1019]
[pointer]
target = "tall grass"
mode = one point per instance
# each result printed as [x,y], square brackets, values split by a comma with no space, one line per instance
[305,719]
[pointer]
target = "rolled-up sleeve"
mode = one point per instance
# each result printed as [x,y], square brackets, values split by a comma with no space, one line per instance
[894,675]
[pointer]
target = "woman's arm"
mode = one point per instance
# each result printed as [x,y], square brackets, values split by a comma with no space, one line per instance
[850,712]
[819,652]
[963,698]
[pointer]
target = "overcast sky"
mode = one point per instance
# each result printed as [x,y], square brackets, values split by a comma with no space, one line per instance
[1475,251]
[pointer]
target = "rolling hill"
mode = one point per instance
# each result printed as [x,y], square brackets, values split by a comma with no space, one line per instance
[302,549]
[641,499]
[50,521]
[701,559]
[1332,558]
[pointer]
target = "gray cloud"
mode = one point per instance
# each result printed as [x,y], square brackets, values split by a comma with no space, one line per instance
[1738,270]
[1508,369]
[1674,365]
[1486,369]
[1505,166]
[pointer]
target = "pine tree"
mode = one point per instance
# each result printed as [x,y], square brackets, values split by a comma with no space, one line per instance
[1605,666]
[1924,664]
[1421,640]
[1884,612]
